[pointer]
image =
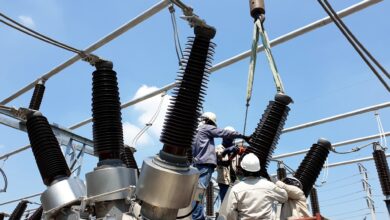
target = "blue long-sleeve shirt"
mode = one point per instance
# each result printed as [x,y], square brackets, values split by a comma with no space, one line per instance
[203,147]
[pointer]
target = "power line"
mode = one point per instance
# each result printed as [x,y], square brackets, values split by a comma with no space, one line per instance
[348,212]
[339,187]
[355,43]
[16,25]
[341,196]
[92,59]
[344,201]
[176,38]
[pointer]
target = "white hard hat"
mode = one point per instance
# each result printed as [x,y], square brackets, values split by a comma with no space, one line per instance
[211,116]
[229,128]
[250,163]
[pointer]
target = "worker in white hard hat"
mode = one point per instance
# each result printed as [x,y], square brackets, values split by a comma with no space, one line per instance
[203,152]
[253,197]
[296,206]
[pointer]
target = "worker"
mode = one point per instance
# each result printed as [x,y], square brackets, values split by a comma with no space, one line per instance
[203,152]
[253,197]
[296,206]
[224,151]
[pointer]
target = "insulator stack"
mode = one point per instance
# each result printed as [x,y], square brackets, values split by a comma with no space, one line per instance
[37,96]
[256,8]
[281,173]
[106,112]
[19,210]
[210,200]
[37,215]
[382,168]
[315,206]
[47,152]
[267,133]
[182,117]
[128,159]
[311,166]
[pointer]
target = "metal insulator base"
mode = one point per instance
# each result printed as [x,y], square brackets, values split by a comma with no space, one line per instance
[110,178]
[47,152]
[267,133]
[311,166]
[62,194]
[315,206]
[19,210]
[165,186]
[182,117]
[37,96]
[106,112]
[382,168]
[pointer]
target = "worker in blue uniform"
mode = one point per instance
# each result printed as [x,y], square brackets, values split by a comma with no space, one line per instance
[203,152]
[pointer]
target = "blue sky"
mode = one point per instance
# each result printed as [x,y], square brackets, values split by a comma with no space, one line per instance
[320,71]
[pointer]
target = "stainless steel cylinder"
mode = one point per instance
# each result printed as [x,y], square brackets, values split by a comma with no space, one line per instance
[166,188]
[256,7]
[62,193]
[106,179]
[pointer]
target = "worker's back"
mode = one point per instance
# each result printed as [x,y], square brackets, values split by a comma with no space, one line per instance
[252,198]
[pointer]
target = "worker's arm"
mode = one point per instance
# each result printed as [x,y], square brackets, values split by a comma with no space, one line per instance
[292,191]
[228,210]
[280,194]
[222,133]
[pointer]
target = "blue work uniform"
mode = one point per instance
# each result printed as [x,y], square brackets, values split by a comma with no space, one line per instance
[204,156]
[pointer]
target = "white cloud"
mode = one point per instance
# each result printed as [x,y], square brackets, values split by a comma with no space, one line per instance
[27,21]
[145,111]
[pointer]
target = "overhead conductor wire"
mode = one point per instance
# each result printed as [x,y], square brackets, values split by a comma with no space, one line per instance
[360,49]
[18,26]
[178,49]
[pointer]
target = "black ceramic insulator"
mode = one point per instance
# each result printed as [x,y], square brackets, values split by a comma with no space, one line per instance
[311,166]
[281,172]
[382,168]
[267,133]
[2,216]
[128,159]
[315,206]
[19,210]
[106,112]
[181,119]
[47,152]
[37,96]
[210,200]
[37,215]
[256,8]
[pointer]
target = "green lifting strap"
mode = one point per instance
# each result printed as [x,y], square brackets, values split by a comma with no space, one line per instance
[258,29]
